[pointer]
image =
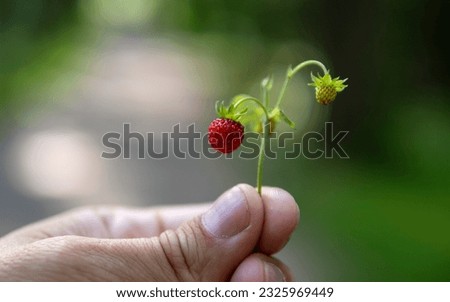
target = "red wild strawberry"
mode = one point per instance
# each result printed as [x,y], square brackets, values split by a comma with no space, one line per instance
[225,135]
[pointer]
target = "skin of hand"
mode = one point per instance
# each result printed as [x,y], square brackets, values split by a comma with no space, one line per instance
[231,240]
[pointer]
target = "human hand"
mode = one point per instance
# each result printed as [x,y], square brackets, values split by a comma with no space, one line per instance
[230,241]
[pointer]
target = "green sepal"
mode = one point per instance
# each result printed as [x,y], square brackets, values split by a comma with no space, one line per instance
[277,114]
[327,81]
[287,120]
[221,110]
[229,112]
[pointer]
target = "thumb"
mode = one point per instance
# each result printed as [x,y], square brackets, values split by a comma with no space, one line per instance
[206,248]
[210,247]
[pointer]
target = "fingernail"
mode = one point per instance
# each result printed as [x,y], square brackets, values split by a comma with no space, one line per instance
[273,273]
[229,215]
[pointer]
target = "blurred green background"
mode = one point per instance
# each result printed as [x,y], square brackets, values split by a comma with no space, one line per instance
[382,215]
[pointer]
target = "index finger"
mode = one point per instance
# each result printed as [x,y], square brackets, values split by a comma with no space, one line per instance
[105,222]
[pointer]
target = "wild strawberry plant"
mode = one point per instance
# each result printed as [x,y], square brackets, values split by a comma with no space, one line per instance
[226,133]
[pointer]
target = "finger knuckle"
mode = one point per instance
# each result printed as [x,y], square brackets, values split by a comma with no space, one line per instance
[182,249]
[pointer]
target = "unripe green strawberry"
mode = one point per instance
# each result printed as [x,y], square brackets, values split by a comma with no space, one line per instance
[325,94]
[327,88]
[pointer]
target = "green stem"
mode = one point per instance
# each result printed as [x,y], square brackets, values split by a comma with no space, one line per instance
[263,139]
[283,90]
[291,72]
[256,101]
[307,63]
[265,100]
[262,148]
